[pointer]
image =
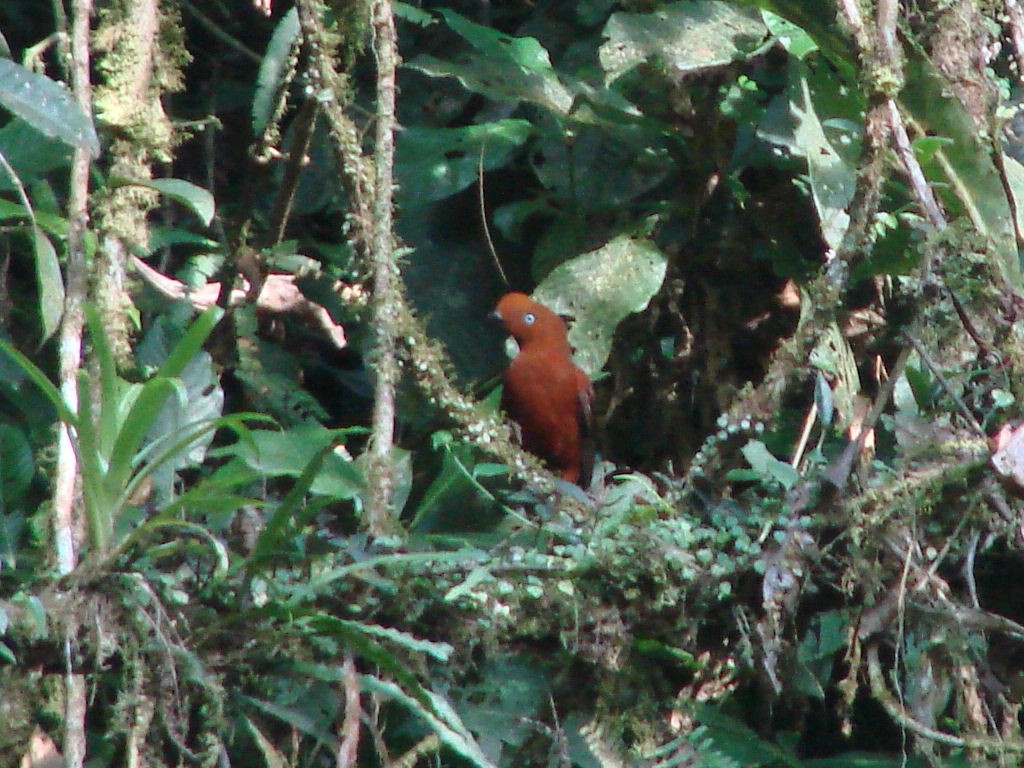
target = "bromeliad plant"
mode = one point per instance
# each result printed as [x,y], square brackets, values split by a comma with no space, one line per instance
[120,433]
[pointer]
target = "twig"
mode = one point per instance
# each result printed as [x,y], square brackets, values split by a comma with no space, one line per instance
[969,326]
[918,183]
[805,434]
[944,383]
[839,471]
[483,211]
[901,632]
[302,136]
[881,693]
[425,746]
[214,29]
[972,587]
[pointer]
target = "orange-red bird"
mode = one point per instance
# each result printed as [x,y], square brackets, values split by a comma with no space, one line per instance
[545,393]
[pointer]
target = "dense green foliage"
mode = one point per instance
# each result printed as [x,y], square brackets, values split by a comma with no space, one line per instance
[790,255]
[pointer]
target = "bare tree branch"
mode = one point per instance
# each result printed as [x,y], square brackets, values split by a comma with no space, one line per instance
[386,299]
[67,508]
[348,752]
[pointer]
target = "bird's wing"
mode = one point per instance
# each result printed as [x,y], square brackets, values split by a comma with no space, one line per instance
[588,432]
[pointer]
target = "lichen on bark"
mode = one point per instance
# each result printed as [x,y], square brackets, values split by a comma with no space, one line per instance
[140,57]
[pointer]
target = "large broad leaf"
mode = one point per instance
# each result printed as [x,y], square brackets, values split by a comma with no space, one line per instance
[818,120]
[767,466]
[794,39]
[200,399]
[835,43]
[435,163]
[684,37]
[601,170]
[29,152]
[51,283]
[499,706]
[507,68]
[46,106]
[194,197]
[599,289]
[969,182]
[17,468]
[833,176]
[289,453]
[273,70]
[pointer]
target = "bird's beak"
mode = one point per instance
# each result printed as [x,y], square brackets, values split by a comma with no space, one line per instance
[495,316]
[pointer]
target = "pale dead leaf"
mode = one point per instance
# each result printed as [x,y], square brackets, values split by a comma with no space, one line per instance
[42,752]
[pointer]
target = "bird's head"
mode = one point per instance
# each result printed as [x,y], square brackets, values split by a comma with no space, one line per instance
[527,321]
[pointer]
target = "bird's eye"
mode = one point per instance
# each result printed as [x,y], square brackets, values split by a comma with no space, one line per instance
[529,318]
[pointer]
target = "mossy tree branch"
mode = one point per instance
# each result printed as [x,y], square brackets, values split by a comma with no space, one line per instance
[427,360]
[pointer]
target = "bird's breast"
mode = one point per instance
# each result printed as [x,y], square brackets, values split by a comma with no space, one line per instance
[542,394]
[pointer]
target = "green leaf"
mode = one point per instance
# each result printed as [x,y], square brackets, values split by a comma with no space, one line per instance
[51,283]
[30,153]
[273,757]
[734,739]
[804,682]
[438,651]
[17,465]
[524,52]
[926,147]
[115,394]
[511,690]
[599,289]
[191,343]
[872,760]
[823,399]
[217,547]
[667,653]
[279,526]
[413,14]
[449,479]
[833,176]
[163,237]
[969,181]
[440,717]
[195,198]
[833,355]
[794,39]
[600,173]
[682,37]
[273,70]
[435,163]
[769,467]
[289,453]
[301,721]
[826,637]
[133,431]
[36,375]
[51,223]
[833,40]
[47,107]
[508,68]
